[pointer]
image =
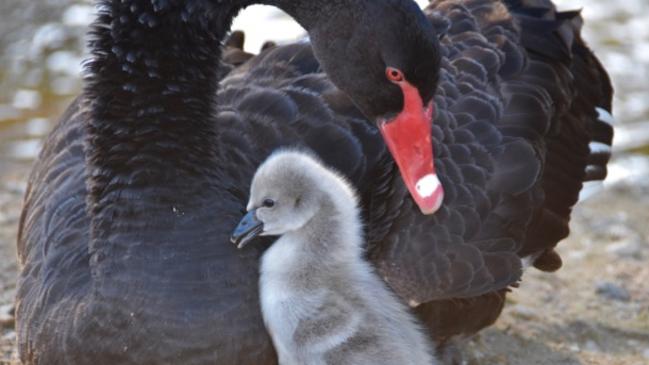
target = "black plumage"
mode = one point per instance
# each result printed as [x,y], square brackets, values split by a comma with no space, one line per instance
[124,236]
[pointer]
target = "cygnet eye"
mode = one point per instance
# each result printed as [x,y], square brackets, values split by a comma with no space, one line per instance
[268,203]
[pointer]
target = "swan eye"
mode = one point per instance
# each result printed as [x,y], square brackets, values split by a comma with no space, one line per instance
[394,74]
[268,203]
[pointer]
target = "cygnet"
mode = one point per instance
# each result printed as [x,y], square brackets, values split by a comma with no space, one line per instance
[322,303]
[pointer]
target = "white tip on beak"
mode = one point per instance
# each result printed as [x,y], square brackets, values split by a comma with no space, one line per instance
[427,185]
[430,193]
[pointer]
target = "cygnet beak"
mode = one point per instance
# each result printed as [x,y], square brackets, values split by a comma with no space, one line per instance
[248,228]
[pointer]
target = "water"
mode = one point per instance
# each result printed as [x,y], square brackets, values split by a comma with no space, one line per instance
[42,47]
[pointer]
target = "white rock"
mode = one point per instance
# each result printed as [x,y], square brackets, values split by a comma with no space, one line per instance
[27,99]
[574,347]
[78,15]
[48,36]
[9,336]
[37,127]
[591,346]
[629,248]
[7,315]
[27,149]
[65,62]
[613,291]
[523,311]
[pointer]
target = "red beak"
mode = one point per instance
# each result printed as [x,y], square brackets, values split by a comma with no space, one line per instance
[408,137]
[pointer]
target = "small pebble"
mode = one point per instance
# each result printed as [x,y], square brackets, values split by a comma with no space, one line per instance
[613,291]
[645,353]
[523,312]
[577,255]
[27,99]
[15,187]
[9,336]
[7,315]
[78,15]
[591,346]
[627,249]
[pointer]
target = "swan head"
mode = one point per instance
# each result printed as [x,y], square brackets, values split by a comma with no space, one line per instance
[287,191]
[389,66]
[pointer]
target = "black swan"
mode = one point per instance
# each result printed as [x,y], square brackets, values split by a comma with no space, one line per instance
[322,303]
[124,237]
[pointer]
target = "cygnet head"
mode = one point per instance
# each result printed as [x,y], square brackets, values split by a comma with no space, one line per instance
[287,191]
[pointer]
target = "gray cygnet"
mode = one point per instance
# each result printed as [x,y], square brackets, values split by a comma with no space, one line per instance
[322,303]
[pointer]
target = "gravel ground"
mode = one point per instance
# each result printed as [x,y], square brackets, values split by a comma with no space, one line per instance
[595,310]
[11,192]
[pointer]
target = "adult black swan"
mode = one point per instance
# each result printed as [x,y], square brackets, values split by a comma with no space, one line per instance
[124,237]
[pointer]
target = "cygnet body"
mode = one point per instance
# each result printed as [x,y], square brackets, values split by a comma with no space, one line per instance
[322,303]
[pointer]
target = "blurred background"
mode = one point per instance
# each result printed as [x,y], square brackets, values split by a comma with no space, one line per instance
[594,311]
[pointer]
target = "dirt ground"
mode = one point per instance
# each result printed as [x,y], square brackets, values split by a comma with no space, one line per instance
[595,310]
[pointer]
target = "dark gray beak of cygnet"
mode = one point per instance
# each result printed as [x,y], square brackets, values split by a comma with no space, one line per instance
[249,228]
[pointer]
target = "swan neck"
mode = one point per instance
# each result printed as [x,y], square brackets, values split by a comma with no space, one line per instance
[152,78]
[150,89]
